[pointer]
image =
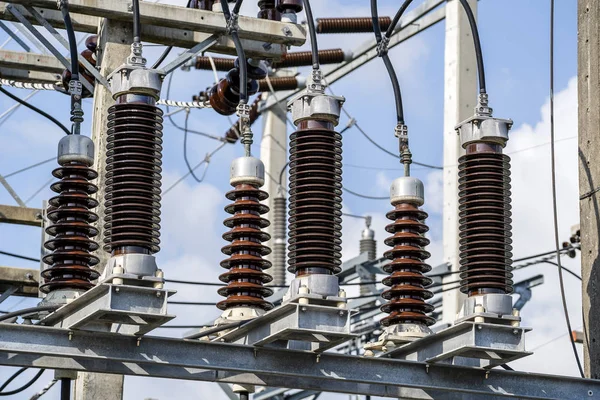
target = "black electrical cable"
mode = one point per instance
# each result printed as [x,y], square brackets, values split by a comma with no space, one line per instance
[237,6]
[65,389]
[554,197]
[563,268]
[474,32]
[507,367]
[34,108]
[25,386]
[168,49]
[13,377]
[244,395]
[27,311]
[383,54]
[64,8]
[137,26]
[283,171]
[312,30]
[240,53]
[185,157]
[364,196]
[218,329]
[6,253]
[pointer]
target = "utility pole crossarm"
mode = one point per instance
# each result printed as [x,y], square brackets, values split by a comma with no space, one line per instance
[20,215]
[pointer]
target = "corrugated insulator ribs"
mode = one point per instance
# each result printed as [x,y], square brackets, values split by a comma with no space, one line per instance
[350,25]
[304,58]
[71,260]
[278,84]
[315,199]
[407,282]
[485,220]
[133,175]
[279,238]
[245,277]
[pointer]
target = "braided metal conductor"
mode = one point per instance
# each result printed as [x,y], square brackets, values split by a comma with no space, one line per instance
[71,260]
[350,25]
[485,220]
[245,277]
[407,294]
[133,178]
[315,199]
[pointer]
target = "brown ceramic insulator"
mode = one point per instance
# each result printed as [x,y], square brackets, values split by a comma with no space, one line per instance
[304,58]
[407,294]
[91,43]
[245,278]
[225,96]
[71,260]
[233,134]
[485,221]
[350,25]
[202,4]
[221,63]
[289,6]
[278,84]
[267,10]
[66,75]
[133,176]
[315,209]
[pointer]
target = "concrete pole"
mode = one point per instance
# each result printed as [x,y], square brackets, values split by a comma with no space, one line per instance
[273,153]
[113,48]
[589,178]
[460,96]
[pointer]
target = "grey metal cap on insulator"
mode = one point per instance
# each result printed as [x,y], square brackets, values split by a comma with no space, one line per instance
[367,234]
[131,79]
[314,105]
[407,189]
[247,170]
[482,127]
[76,148]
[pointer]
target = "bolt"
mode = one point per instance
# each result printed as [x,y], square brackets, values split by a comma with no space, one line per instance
[590,393]
[267,46]
[117,290]
[287,31]
[130,7]
[515,331]
[342,313]
[157,294]
[303,309]
[28,276]
[479,327]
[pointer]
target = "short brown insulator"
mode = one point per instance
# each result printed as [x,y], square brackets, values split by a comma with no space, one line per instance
[202,4]
[286,6]
[485,220]
[315,209]
[233,134]
[90,57]
[133,176]
[350,25]
[225,95]
[304,58]
[278,84]
[71,259]
[407,294]
[267,10]
[91,43]
[245,278]
[221,63]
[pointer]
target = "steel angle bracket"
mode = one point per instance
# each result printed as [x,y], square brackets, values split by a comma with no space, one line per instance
[125,309]
[318,327]
[467,343]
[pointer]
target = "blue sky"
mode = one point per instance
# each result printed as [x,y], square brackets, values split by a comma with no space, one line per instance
[515,43]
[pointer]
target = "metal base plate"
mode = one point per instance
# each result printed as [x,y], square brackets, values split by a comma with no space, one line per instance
[469,344]
[298,326]
[118,308]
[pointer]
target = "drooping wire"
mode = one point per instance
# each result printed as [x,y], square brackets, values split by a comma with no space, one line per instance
[5,253]
[25,386]
[554,197]
[37,110]
[185,157]
[364,196]
[312,30]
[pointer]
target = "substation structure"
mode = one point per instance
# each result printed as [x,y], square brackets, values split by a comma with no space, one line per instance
[100,303]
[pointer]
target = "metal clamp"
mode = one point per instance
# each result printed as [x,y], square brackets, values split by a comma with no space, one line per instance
[382,46]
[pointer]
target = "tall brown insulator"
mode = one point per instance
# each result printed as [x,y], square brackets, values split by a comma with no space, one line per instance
[407,294]
[315,199]
[281,83]
[485,220]
[245,278]
[268,11]
[350,25]
[233,134]
[71,247]
[221,63]
[133,176]
[225,95]
[304,58]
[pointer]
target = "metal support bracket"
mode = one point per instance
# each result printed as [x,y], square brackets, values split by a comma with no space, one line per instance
[190,53]
[125,309]
[296,326]
[17,14]
[471,344]
[14,36]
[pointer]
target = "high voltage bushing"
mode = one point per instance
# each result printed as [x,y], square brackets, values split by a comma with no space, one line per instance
[221,63]
[268,11]
[71,261]
[245,278]
[225,95]
[485,214]
[133,173]
[350,25]
[315,188]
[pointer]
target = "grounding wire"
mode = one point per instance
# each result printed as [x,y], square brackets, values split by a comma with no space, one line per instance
[554,197]
[34,108]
